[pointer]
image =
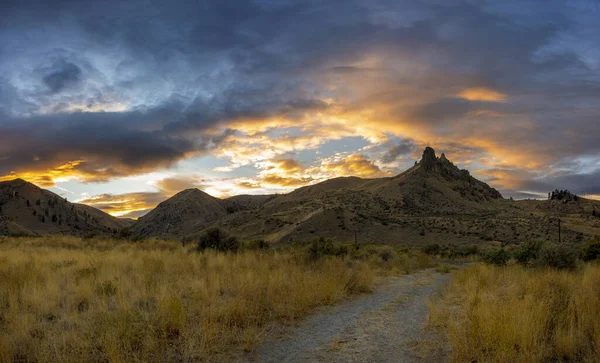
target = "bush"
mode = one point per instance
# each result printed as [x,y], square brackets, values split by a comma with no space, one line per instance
[498,257]
[528,252]
[387,254]
[433,249]
[591,249]
[560,256]
[259,244]
[217,239]
[322,246]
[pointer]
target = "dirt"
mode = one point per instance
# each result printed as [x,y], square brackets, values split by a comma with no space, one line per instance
[384,326]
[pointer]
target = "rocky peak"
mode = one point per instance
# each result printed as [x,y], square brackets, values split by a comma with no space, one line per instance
[429,160]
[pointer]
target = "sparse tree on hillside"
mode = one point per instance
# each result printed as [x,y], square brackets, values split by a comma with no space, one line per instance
[217,239]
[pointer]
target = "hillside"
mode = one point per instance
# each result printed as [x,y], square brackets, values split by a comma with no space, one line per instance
[190,211]
[432,202]
[28,210]
[397,209]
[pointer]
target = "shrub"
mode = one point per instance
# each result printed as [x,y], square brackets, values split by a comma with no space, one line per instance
[560,256]
[217,239]
[498,257]
[387,254]
[528,252]
[591,249]
[433,249]
[322,246]
[258,244]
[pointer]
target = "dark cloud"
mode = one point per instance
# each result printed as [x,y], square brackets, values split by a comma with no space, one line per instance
[62,75]
[581,184]
[104,144]
[181,68]
[405,147]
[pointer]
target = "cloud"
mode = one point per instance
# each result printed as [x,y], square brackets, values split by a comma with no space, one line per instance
[403,148]
[482,94]
[116,88]
[131,205]
[352,165]
[62,75]
[94,147]
[175,185]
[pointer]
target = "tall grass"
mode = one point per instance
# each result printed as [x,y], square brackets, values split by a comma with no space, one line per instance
[69,300]
[517,314]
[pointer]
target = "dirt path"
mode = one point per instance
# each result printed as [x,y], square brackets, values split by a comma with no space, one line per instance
[384,326]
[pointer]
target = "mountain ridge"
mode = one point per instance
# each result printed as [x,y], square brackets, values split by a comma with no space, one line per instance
[434,201]
[27,210]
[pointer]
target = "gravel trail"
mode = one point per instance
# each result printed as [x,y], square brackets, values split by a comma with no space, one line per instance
[384,326]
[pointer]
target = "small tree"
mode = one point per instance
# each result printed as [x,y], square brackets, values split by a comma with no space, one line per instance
[217,239]
[591,249]
[557,255]
[497,257]
[528,252]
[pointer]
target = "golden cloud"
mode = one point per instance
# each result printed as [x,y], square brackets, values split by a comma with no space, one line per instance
[47,178]
[125,205]
[353,165]
[482,94]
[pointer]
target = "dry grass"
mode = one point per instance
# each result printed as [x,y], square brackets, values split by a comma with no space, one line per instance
[69,300]
[514,314]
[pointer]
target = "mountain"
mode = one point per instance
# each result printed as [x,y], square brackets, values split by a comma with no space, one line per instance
[394,209]
[383,209]
[28,210]
[432,202]
[190,211]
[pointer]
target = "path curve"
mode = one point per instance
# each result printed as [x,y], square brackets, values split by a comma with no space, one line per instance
[384,326]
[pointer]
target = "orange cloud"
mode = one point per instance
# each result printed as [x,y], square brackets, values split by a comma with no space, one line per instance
[47,178]
[353,165]
[125,205]
[482,94]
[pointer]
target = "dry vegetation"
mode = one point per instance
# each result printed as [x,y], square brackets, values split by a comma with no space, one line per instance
[519,314]
[67,299]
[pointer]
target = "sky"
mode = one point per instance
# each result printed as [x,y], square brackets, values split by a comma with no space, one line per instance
[121,104]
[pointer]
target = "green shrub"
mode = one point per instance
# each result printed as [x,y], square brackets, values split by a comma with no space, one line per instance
[528,252]
[591,249]
[322,246]
[219,240]
[498,257]
[560,256]
[387,254]
[259,244]
[433,249]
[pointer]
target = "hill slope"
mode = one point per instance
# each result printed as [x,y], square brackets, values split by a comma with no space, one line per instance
[28,210]
[390,209]
[189,211]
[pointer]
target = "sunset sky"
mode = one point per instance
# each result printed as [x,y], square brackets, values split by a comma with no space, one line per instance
[121,104]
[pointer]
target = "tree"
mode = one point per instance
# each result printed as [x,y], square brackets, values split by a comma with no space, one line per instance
[591,249]
[217,239]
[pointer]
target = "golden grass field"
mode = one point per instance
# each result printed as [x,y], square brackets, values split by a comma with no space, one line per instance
[517,314]
[72,300]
